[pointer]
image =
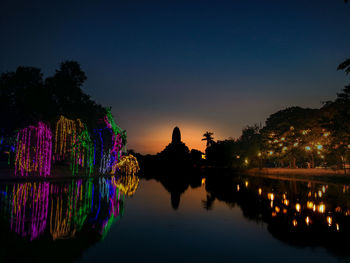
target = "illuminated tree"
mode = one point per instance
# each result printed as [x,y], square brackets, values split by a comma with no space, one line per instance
[34,150]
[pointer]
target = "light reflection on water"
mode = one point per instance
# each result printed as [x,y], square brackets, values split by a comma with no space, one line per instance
[234,218]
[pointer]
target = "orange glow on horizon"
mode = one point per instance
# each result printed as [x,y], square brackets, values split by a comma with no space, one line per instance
[157,137]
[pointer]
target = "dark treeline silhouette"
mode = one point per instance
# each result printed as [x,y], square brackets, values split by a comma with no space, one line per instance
[293,137]
[26,97]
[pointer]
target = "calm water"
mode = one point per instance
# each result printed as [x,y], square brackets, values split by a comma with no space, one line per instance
[240,219]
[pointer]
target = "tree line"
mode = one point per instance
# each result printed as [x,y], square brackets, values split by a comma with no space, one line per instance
[292,137]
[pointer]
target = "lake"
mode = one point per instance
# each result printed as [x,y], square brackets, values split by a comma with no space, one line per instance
[208,218]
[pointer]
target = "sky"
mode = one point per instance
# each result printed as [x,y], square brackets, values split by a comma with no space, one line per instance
[200,65]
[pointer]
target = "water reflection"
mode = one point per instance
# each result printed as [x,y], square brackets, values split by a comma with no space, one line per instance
[43,211]
[298,213]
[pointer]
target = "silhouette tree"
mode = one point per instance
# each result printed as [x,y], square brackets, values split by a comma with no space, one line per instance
[208,136]
[345,65]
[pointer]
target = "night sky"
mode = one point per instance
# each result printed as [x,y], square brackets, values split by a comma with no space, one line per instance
[201,65]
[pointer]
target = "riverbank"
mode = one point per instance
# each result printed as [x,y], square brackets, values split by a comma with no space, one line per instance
[316,174]
[57,174]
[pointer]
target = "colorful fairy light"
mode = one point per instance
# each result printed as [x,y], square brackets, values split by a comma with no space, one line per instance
[72,140]
[34,150]
[109,142]
[65,136]
[127,184]
[29,209]
[127,165]
[82,153]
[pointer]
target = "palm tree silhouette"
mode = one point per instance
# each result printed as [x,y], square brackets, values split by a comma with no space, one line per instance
[345,65]
[208,136]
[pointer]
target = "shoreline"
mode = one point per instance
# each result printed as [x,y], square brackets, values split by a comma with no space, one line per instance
[301,174]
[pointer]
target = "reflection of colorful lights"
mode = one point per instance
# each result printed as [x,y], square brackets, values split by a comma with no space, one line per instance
[63,208]
[127,184]
[30,209]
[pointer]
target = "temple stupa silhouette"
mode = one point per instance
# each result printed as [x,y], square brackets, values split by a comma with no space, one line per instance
[176,150]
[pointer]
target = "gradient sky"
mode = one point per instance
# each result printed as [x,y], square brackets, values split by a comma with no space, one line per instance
[201,65]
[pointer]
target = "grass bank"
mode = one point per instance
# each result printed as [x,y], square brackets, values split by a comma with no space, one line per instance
[315,174]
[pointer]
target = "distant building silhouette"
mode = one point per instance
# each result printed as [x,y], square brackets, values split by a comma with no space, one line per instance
[176,136]
[176,150]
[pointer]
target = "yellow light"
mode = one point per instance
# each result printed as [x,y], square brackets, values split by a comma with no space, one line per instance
[282,139]
[285,148]
[238,188]
[307,220]
[246,161]
[275,140]
[320,193]
[304,132]
[277,209]
[297,207]
[307,148]
[310,204]
[259,154]
[270,196]
[322,156]
[309,194]
[323,189]
[337,225]
[284,196]
[286,202]
[203,156]
[280,144]
[246,183]
[260,191]
[321,208]
[295,144]
[203,181]
[295,222]
[237,156]
[291,128]
[326,134]
[329,220]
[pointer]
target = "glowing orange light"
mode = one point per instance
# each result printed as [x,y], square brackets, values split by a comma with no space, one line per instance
[295,222]
[297,207]
[270,196]
[321,208]
[309,204]
[260,191]
[329,220]
[307,220]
